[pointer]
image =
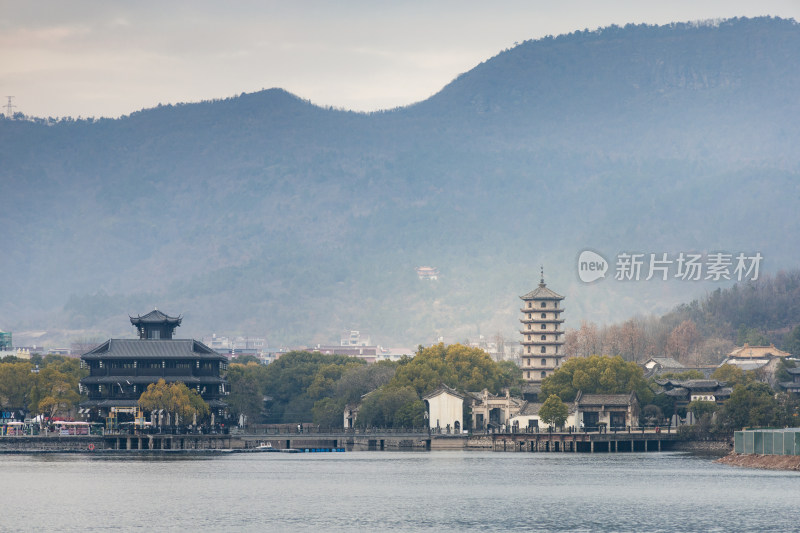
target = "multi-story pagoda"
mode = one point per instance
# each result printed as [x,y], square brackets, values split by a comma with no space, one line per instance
[542,336]
[121,369]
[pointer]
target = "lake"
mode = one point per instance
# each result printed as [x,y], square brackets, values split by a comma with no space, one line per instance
[399,491]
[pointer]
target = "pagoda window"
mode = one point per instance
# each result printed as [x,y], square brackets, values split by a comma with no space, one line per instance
[544,362]
[544,349]
[530,304]
[544,326]
[544,304]
[529,349]
[154,334]
[544,337]
[544,374]
[544,315]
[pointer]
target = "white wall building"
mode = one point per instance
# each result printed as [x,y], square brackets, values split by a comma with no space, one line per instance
[445,408]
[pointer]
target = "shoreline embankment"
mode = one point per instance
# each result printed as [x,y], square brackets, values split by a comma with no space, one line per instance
[764,462]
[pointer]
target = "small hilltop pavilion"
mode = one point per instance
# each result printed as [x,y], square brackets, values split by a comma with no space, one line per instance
[121,369]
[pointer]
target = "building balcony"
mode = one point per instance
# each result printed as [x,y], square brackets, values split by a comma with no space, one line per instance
[540,342]
[540,332]
[527,310]
[540,320]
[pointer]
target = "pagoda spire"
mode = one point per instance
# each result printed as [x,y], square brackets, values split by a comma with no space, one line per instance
[541,279]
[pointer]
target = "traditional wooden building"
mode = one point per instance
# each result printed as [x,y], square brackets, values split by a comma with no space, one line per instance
[121,369]
[612,411]
[686,391]
[542,336]
[794,384]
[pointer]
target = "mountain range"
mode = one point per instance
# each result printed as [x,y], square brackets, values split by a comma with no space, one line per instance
[265,215]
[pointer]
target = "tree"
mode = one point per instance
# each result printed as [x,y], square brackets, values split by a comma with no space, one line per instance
[247,358]
[683,340]
[457,366]
[791,343]
[298,379]
[750,405]
[16,382]
[553,411]
[329,412]
[247,390]
[732,375]
[681,376]
[54,392]
[174,398]
[389,407]
[597,375]
[700,407]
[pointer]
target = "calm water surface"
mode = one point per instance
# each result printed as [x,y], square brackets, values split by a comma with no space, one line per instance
[373,491]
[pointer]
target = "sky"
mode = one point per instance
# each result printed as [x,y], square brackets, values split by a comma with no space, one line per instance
[111,58]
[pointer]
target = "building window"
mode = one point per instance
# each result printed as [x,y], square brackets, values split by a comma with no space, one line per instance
[544,337]
[544,349]
[530,304]
[529,349]
[154,334]
[544,362]
[544,304]
[544,374]
[544,315]
[544,326]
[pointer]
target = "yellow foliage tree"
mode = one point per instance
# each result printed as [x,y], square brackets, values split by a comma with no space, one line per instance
[174,398]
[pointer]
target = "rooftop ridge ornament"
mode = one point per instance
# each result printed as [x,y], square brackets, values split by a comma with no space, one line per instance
[541,280]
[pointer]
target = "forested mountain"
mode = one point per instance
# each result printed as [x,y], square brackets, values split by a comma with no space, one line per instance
[266,215]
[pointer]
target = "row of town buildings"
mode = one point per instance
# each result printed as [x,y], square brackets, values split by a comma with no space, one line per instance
[121,369]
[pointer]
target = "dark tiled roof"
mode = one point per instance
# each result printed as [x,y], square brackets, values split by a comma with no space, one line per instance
[542,293]
[155,317]
[443,388]
[794,371]
[691,384]
[666,362]
[530,409]
[604,399]
[151,348]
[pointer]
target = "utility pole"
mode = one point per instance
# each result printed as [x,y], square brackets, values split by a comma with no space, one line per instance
[9,106]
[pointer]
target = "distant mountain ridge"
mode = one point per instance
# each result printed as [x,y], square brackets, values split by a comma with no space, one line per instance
[265,214]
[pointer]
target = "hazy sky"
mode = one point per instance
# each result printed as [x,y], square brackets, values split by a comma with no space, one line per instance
[110,58]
